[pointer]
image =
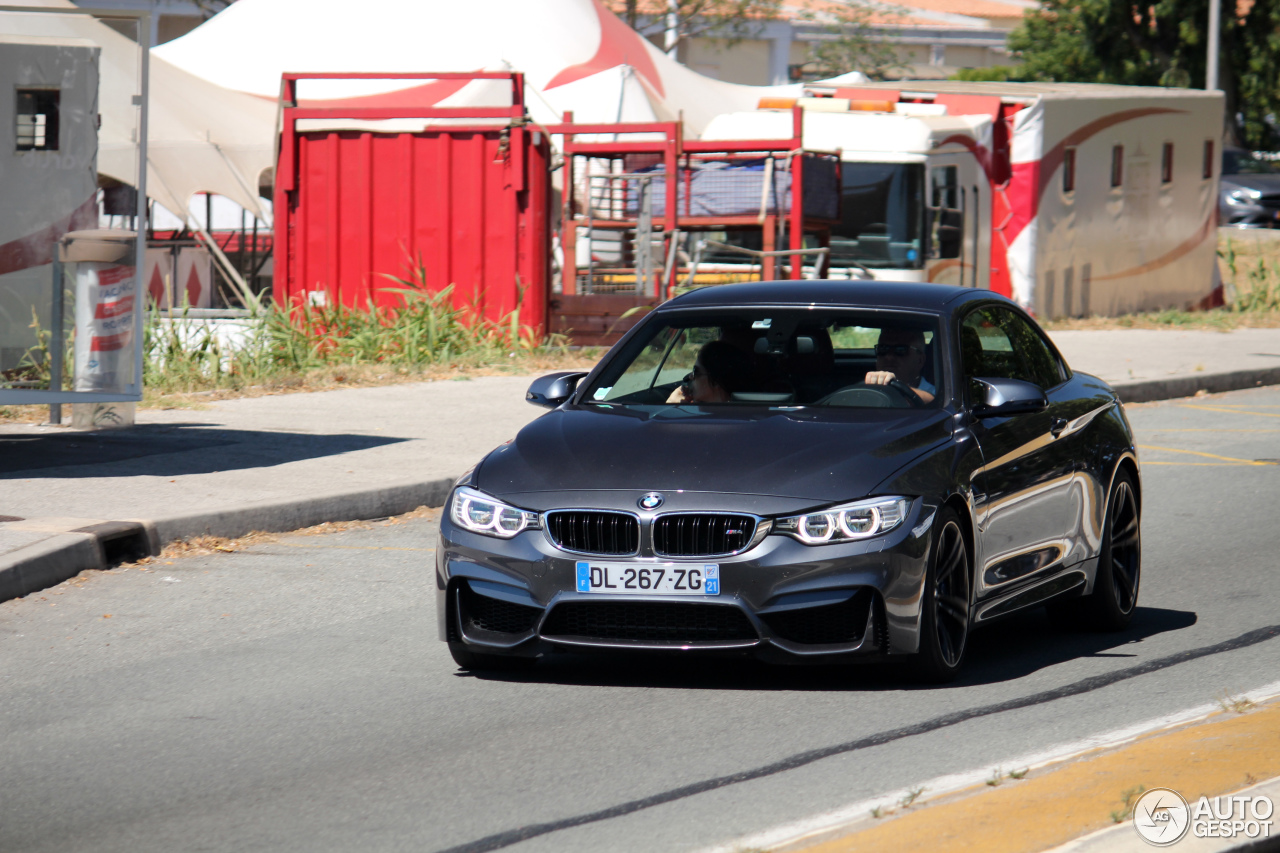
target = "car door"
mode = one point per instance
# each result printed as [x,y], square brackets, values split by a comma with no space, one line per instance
[1026,501]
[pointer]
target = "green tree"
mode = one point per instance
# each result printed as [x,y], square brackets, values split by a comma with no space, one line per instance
[992,73]
[1053,46]
[1162,43]
[851,42]
[731,20]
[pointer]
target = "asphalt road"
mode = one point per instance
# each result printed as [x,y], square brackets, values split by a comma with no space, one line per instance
[292,695]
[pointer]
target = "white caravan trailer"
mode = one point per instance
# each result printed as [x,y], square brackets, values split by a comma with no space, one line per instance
[1073,199]
[48,173]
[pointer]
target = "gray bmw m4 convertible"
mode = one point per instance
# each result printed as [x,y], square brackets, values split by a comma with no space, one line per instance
[817,471]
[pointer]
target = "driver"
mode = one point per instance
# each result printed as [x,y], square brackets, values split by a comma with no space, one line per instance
[900,358]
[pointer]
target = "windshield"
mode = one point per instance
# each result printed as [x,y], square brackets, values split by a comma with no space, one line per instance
[777,357]
[1235,162]
[881,213]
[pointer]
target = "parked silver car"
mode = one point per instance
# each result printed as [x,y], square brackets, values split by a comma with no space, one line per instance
[1250,190]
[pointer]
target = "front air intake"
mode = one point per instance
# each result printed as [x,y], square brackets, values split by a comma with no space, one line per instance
[649,621]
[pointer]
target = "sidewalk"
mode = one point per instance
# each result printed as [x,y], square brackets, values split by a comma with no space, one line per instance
[262,463]
[80,500]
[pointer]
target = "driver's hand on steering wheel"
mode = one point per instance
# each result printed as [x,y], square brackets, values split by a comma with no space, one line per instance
[884,377]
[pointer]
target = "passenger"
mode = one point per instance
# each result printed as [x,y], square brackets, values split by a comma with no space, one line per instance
[900,356]
[720,370]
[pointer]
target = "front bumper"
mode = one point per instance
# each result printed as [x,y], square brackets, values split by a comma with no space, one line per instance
[1265,214]
[780,601]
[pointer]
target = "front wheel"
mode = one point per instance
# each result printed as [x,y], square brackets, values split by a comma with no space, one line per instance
[944,614]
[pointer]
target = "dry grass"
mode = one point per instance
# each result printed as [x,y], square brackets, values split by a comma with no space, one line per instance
[1217,320]
[201,546]
[343,376]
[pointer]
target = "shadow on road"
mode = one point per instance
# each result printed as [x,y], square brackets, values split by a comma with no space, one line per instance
[1025,643]
[1003,651]
[167,450]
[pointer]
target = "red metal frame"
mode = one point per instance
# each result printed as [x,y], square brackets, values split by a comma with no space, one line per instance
[674,148]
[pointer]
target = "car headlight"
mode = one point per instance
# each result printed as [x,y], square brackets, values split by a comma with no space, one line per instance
[480,513]
[1245,196]
[847,522]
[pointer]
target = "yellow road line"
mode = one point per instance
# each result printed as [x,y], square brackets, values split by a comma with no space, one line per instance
[1050,807]
[1145,463]
[1234,459]
[1211,429]
[349,547]
[1230,411]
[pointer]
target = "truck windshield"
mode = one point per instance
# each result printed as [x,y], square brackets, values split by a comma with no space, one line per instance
[882,214]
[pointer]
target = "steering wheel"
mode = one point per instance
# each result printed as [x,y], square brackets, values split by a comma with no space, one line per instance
[873,396]
[907,392]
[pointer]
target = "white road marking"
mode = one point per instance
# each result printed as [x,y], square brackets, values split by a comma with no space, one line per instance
[850,815]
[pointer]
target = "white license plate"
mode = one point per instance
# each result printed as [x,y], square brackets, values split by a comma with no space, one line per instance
[648,578]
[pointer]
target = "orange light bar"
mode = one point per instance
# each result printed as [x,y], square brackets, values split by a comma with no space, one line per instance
[777,104]
[872,106]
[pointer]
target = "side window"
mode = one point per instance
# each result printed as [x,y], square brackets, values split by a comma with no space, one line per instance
[946,213]
[985,348]
[37,119]
[1040,365]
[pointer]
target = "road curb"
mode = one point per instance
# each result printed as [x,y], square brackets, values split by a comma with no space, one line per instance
[306,512]
[1151,390]
[48,563]
[101,545]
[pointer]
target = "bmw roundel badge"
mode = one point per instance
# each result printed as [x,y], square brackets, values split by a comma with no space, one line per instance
[653,500]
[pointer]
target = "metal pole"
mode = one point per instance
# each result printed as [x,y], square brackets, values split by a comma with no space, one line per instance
[140,244]
[55,343]
[672,40]
[1211,61]
[644,237]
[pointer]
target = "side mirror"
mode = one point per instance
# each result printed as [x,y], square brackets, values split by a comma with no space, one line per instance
[1001,398]
[553,389]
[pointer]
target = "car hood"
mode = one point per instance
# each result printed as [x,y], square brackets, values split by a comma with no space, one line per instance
[813,455]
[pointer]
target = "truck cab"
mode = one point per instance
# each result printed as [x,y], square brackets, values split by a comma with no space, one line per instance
[915,200]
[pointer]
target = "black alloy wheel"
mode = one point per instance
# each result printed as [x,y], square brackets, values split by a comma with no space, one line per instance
[944,623]
[1116,584]
[1124,541]
[1115,588]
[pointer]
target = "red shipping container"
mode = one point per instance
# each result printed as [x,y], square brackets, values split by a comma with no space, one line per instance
[470,200]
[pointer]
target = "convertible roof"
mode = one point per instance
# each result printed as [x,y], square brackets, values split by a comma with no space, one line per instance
[856,293]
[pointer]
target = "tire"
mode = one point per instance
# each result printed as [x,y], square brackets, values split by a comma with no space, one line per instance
[475,661]
[944,606]
[1116,583]
[1119,576]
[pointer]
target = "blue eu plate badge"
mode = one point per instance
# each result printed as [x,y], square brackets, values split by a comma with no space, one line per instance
[712,579]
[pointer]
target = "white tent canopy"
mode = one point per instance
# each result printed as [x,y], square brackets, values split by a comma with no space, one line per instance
[575,54]
[202,137]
